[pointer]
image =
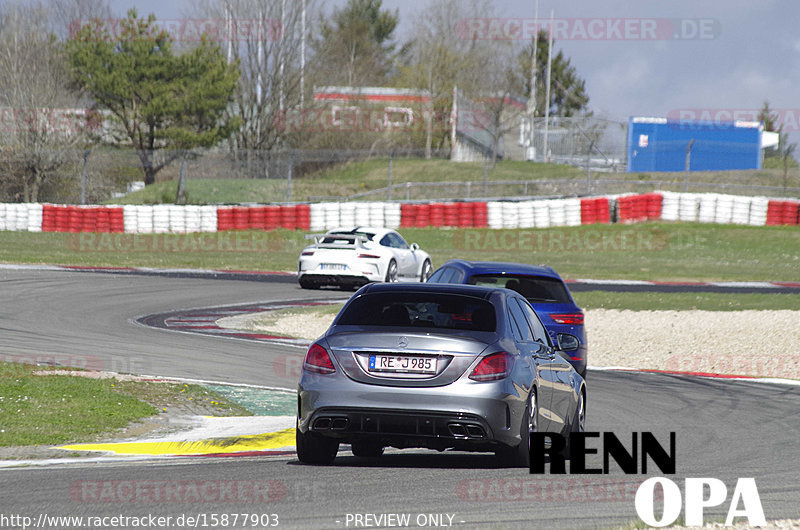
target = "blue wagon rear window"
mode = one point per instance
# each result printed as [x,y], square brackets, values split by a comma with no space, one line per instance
[536,289]
[419,310]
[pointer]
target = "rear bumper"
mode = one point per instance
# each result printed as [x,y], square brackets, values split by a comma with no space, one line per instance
[465,415]
[336,279]
[398,428]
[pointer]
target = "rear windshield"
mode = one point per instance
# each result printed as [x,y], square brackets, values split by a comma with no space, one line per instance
[419,310]
[536,289]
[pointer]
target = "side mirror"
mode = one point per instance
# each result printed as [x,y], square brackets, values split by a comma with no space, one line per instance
[414,247]
[567,342]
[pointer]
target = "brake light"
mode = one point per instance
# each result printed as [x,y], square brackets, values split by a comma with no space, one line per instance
[492,367]
[569,318]
[318,361]
[307,253]
[369,256]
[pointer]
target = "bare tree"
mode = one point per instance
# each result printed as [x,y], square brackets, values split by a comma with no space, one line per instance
[442,56]
[41,128]
[267,37]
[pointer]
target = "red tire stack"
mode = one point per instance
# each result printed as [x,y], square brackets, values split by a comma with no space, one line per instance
[257,218]
[303,212]
[603,205]
[480,217]
[436,215]
[241,218]
[75,219]
[790,212]
[451,214]
[466,214]
[224,219]
[89,220]
[423,216]
[103,220]
[288,217]
[408,215]
[272,219]
[62,218]
[589,211]
[116,219]
[49,217]
[653,205]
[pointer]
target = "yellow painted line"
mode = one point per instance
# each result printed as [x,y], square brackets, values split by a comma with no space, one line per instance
[234,444]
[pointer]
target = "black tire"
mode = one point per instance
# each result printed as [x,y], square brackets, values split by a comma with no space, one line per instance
[366,449]
[391,272]
[314,449]
[520,456]
[578,421]
[427,270]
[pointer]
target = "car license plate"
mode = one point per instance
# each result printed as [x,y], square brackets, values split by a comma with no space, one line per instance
[402,364]
[332,267]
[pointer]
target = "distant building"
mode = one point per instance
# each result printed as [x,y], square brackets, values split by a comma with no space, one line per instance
[661,144]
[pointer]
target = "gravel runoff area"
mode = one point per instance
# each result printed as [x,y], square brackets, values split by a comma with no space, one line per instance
[754,343]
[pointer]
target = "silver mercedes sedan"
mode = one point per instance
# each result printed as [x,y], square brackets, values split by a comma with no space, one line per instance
[436,366]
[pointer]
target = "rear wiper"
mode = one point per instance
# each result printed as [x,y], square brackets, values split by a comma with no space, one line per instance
[542,300]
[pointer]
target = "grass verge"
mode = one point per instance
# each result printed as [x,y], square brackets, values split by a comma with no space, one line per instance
[647,251]
[55,409]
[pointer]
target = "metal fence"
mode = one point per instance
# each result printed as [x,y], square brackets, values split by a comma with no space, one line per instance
[585,142]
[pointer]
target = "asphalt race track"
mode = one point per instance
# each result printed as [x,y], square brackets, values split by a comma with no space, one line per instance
[724,429]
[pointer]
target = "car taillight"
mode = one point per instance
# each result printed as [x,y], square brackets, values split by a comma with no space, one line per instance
[369,256]
[318,361]
[307,253]
[569,318]
[492,367]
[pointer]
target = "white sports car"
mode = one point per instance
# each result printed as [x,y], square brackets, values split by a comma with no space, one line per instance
[353,257]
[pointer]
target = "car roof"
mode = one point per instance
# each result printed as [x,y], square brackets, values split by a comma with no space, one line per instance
[499,267]
[443,288]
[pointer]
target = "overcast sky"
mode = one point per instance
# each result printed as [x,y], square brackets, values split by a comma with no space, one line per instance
[735,55]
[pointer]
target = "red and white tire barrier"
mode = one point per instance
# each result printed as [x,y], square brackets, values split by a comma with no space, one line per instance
[629,208]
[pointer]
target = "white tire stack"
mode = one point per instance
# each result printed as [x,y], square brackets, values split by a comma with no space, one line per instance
[144,219]
[724,210]
[741,210]
[526,217]
[193,219]
[758,211]
[317,211]
[20,217]
[510,215]
[558,212]
[392,214]
[177,219]
[3,219]
[34,217]
[362,213]
[541,214]
[130,218]
[376,217]
[670,206]
[347,214]
[160,218]
[494,214]
[208,218]
[687,207]
[708,206]
[332,215]
[572,209]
